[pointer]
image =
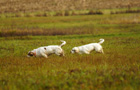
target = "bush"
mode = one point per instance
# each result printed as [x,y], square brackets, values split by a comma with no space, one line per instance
[91,12]
[112,12]
[46,14]
[67,13]
[41,14]
[19,15]
[30,15]
[126,11]
[99,12]
[74,13]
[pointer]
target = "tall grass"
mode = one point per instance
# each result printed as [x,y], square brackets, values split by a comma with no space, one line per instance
[118,68]
[26,6]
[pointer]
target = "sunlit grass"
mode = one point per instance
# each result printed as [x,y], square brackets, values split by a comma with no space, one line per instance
[86,24]
[118,68]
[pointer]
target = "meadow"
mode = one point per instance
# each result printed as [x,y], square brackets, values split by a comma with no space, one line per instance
[26,6]
[118,68]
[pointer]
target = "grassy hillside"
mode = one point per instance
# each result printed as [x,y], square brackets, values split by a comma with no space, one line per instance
[7,6]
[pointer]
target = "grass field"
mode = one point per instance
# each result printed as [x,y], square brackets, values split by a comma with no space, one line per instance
[117,69]
[69,25]
[25,6]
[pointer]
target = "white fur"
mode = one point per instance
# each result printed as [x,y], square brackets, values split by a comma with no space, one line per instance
[88,48]
[48,50]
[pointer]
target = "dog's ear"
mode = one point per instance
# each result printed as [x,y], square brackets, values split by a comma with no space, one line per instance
[45,48]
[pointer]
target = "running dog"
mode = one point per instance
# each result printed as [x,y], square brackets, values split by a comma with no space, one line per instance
[45,51]
[88,48]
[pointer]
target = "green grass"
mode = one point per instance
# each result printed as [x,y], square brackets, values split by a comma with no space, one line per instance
[117,69]
[86,24]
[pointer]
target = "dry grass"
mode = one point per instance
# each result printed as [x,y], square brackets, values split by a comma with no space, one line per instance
[57,5]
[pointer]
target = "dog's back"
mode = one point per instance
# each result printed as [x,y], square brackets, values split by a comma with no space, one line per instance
[87,48]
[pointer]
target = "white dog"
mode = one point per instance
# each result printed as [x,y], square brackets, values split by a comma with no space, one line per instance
[47,50]
[88,48]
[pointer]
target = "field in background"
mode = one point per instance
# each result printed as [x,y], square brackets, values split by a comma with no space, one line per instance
[17,6]
[118,68]
[81,24]
[71,12]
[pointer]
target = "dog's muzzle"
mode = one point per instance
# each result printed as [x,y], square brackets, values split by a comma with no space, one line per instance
[30,54]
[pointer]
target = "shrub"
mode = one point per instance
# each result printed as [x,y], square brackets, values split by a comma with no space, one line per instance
[68,13]
[74,13]
[38,14]
[45,14]
[99,12]
[19,15]
[11,33]
[112,12]
[60,13]
[127,11]
[30,15]
[41,14]
[91,12]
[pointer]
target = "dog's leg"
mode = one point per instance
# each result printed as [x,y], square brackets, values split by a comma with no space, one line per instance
[60,54]
[44,55]
[102,51]
[87,52]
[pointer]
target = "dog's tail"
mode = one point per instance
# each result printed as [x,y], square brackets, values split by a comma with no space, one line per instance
[101,41]
[63,43]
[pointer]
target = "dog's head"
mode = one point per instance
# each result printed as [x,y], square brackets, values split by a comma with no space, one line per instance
[30,54]
[75,50]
